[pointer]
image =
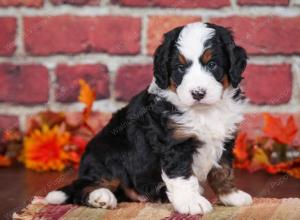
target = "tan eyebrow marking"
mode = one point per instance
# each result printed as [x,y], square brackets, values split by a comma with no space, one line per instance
[182,59]
[206,56]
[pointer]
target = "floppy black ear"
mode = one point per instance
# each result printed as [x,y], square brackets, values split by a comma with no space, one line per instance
[162,58]
[238,62]
[236,54]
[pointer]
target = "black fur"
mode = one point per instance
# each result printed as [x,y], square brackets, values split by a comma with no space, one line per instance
[234,56]
[135,154]
[162,58]
[138,142]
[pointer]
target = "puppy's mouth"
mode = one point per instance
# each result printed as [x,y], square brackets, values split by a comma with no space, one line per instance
[201,103]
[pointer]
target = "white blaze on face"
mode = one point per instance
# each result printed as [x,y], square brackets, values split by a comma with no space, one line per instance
[191,44]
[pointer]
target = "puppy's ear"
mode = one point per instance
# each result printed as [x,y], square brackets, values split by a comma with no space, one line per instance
[162,58]
[236,54]
[238,62]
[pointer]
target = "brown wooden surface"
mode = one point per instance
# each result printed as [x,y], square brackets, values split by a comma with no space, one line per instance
[18,186]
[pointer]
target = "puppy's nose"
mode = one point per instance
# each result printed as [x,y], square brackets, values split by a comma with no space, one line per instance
[198,94]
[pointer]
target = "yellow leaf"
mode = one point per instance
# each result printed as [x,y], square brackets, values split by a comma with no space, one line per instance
[260,159]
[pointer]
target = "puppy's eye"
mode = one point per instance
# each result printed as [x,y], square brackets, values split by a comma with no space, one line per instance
[180,68]
[212,65]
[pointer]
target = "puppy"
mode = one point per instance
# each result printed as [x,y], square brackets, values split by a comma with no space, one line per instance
[175,134]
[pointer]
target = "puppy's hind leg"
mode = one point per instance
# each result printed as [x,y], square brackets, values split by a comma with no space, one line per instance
[98,194]
[71,193]
[101,194]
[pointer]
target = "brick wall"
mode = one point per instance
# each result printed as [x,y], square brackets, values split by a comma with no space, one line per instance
[47,45]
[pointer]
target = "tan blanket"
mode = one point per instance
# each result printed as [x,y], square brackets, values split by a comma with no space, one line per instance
[261,209]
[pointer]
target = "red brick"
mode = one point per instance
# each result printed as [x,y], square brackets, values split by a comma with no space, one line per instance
[7,35]
[17,3]
[131,80]
[73,34]
[75,2]
[265,35]
[158,25]
[23,84]
[268,84]
[174,3]
[263,2]
[8,122]
[68,77]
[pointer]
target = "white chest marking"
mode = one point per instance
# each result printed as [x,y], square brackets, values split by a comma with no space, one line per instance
[212,126]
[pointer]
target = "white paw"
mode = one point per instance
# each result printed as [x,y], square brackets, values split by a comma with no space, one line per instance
[185,195]
[236,198]
[56,197]
[102,198]
[193,204]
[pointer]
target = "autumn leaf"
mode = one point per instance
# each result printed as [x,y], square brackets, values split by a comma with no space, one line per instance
[295,172]
[293,168]
[242,165]
[260,159]
[86,96]
[4,161]
[274,128]
[240,148]
[78,144]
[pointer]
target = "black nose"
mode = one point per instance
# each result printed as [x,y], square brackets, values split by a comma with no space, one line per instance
[198,94]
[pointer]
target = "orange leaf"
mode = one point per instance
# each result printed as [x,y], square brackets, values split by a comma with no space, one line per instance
[240,148]
[294,172]
[293,168]
[86,95]
[4,161]
[242,165]
[274,128]
[291,128]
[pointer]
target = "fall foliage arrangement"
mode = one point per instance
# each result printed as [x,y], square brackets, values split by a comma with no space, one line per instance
[56,140]
[273,152]
[53,140]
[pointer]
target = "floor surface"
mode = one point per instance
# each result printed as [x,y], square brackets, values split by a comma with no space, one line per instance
[18,186]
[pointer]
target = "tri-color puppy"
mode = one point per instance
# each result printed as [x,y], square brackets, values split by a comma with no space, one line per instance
[174,135]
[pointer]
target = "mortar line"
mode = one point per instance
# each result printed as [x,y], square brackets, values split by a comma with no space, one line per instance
[295,99]
[249,11]
[144,30]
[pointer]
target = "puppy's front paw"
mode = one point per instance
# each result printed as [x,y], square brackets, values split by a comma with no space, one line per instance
[102,198]
[192,204]
[236,198]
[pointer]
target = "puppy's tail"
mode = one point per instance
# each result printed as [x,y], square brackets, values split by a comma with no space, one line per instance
[73,193]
